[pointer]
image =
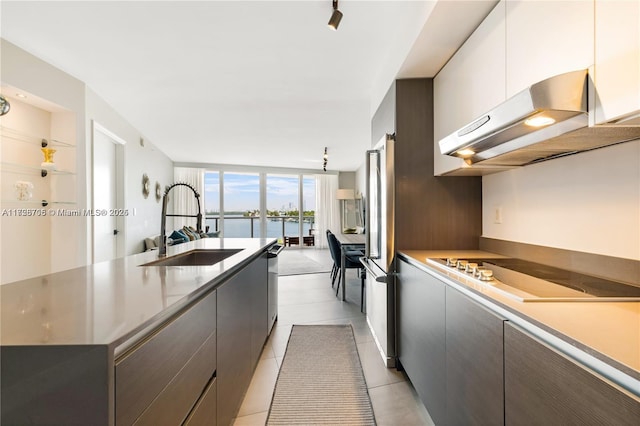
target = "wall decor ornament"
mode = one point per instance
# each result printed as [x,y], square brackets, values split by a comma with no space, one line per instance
[5,106]
[145,185]
[48,163]
[23,190]
[158,191]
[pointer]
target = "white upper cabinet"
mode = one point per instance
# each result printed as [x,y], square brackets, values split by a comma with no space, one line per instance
[546,38]
[470,84]
[617,59]
[521,42]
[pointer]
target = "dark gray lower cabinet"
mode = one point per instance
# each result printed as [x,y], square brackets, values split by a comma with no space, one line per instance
[544,387]
[451,349]
[242,330]
[259,309]
[56,385]
[193,369]
[161,379]
[204,413]
[421,336]
[472,367]
[474,352]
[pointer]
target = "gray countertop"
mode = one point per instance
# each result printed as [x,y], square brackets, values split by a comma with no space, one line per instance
[110,302]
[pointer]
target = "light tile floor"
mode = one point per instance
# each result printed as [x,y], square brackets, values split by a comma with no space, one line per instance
[309,299]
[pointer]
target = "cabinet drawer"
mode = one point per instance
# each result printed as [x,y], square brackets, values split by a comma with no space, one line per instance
[204,413]
[175,401]
[545,387]
[145,371]
[421,341]
[474,362]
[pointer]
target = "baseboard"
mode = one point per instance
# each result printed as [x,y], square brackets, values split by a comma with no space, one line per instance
[388,361]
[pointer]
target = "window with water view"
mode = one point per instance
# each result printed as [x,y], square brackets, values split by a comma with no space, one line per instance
[289,212]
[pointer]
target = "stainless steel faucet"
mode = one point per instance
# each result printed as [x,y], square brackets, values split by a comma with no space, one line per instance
[162,250]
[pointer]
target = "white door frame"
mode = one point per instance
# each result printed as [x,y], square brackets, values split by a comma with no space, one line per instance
[120,195]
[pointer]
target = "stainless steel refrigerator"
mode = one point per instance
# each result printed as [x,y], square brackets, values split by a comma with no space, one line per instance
[379,256]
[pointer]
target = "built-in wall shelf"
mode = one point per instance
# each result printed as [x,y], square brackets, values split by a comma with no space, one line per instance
[35,170]
[15,135]
[15,204]
[39,188]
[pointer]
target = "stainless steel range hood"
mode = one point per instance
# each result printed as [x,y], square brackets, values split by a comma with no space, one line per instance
[550,119]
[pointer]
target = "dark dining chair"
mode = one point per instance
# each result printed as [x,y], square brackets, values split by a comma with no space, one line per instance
[351,262]
[334,269]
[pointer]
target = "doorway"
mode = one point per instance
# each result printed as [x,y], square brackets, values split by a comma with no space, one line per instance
[108,194]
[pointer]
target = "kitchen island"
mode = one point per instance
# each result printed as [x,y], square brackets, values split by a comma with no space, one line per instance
[503,361]
[115,342]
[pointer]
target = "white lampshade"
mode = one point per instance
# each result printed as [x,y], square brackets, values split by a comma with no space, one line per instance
[345,194]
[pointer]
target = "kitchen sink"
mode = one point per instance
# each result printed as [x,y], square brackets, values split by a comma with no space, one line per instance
[198,257]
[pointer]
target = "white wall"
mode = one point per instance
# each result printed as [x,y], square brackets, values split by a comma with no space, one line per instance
[361,181]
[26,240]
[54,109]
[347,180]
[587,202]
[138,160]
[62,107]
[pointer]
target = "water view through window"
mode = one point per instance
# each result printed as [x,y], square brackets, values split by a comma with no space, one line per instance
[241,201]
[241,204]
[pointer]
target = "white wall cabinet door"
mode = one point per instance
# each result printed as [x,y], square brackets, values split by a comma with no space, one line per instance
[546,38]
[617,59]
[472,83]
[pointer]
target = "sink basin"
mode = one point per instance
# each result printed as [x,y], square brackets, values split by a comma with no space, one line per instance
[195,258]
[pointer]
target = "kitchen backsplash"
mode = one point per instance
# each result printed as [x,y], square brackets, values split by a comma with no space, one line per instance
[589,202]
[608,267]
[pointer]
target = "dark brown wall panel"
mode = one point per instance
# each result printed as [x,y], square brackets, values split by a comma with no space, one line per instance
[432,212]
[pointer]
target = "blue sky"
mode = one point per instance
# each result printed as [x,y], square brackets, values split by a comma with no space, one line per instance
[242,191]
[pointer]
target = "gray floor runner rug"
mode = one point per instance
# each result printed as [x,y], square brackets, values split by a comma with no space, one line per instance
[321,380]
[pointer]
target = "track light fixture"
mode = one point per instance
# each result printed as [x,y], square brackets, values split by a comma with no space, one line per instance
[336,16]
[325,158]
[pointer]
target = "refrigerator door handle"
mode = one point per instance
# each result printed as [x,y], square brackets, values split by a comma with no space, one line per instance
[373,209]
[378,277]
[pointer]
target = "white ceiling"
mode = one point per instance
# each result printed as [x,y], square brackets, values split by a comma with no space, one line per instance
[261,83]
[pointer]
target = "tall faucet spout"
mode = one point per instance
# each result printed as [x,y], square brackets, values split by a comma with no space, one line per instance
[162,250]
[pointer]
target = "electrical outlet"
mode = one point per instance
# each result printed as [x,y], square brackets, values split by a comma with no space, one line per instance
[497,216]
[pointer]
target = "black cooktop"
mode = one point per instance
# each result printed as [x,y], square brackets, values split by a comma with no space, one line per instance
[598,287]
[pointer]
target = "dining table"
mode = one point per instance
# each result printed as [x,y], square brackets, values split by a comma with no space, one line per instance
[348,242]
